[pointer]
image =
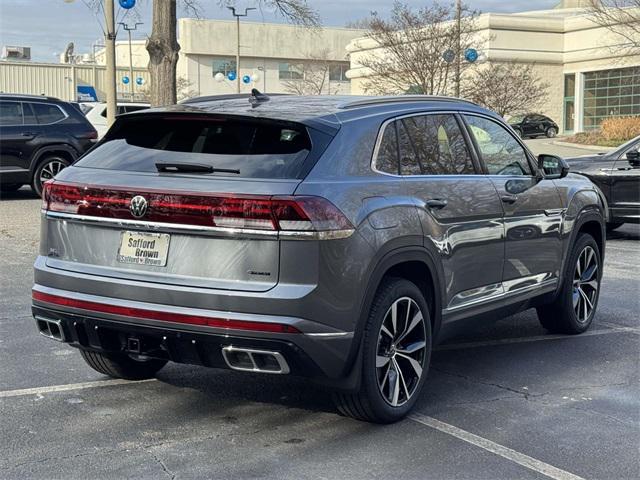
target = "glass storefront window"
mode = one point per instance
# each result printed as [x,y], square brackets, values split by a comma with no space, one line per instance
[610,93]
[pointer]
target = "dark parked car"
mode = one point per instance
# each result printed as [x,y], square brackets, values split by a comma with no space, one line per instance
[534,125]
[336,238]
[617,173]
[39,136]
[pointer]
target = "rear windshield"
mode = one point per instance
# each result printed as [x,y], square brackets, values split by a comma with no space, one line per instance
[255,148]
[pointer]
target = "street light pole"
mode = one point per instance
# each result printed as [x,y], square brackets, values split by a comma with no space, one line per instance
[129,30]
[458,47]
[110,54]
[238,15]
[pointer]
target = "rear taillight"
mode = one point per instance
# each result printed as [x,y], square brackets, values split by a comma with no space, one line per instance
[88,135]
[293,215]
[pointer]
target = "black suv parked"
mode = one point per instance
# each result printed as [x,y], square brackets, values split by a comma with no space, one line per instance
[533,125]
[617,174]
[39,136]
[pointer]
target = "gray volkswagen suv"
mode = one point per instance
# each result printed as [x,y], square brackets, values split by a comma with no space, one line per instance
[335,238]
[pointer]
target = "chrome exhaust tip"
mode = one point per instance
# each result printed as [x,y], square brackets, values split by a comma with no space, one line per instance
[50,328]
[250,360]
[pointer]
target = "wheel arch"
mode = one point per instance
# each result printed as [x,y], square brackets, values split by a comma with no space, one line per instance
[406,262]
[65,151]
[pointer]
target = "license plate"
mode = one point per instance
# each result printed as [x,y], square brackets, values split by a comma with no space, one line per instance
[144,248]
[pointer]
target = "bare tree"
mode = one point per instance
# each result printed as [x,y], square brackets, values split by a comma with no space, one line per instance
[409,49]
[163,50]
[184,89]
[163,45]
[506,88]
[314,76]
[621,17]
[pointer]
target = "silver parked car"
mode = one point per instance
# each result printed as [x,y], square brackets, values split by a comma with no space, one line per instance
[336,238]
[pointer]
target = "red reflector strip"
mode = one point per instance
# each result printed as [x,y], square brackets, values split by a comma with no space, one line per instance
[164,316]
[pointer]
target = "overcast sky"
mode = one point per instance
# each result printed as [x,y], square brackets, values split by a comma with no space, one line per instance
[47,26]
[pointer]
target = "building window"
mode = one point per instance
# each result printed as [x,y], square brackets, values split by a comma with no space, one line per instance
[223,65]
[337,72]
[610,93]
[289,71]
[569,102]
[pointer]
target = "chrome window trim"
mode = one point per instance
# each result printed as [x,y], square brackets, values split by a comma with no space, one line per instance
[21,102]
[381,130]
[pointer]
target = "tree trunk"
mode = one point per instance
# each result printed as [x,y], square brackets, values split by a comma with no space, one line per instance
[163,50]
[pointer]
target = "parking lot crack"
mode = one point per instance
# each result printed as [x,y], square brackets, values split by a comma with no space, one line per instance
[159,461]
[525,395]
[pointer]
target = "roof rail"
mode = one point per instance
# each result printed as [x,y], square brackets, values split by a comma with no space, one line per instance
[29,95]
[401,99]
[215,98]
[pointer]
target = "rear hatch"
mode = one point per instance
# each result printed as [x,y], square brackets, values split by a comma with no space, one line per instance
[186,199]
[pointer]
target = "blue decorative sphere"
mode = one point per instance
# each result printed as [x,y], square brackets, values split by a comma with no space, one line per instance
[139,80]
[125,80]
[246,79]
[231,76]
[127,4]
[471,55]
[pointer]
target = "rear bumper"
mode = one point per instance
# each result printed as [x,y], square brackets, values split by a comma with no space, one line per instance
[310,350]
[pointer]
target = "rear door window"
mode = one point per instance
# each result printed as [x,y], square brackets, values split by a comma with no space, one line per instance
[425,145]
[256,148]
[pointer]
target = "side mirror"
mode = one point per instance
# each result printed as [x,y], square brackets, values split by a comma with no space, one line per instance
[552,166]
[633,157]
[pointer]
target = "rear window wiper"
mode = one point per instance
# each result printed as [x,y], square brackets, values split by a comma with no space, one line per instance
[192,168]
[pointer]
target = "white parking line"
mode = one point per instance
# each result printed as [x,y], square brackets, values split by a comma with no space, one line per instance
[70,386]
[495,448]
[536,338]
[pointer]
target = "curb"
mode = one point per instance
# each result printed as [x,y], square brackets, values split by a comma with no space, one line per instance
[596,148]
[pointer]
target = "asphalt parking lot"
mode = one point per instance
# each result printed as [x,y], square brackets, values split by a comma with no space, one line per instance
[508,401]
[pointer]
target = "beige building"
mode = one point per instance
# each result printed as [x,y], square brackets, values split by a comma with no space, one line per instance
[273,56]
[592,75]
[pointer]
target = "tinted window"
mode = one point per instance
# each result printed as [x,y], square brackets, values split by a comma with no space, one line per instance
[134,108]
[29,116]
[433,145]
[387,159]
[10,113]
[259,149]
[501,153]
[47,113]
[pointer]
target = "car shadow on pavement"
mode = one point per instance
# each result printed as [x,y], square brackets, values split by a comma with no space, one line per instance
[626,232]
[25,193]
[451,372]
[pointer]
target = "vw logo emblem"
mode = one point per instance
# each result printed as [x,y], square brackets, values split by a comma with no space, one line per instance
[138,206]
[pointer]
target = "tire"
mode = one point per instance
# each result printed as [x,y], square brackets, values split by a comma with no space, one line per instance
[519,132]
[551,132]
[612,226]
[47,169]
[377,400]
[573,310]
[10,187]
[121,365]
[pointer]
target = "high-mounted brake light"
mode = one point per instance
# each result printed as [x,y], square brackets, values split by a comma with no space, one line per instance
[306,215]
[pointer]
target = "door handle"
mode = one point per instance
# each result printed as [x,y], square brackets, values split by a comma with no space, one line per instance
[27,134]
[436,203]
[509,198]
